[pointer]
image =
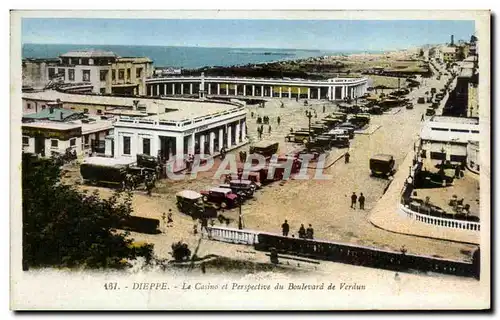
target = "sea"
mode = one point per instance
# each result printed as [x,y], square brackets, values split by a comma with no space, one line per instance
[183,57]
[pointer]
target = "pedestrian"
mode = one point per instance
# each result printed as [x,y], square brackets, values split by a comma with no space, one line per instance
[279,120]
[170,221]
[291,130]
[269,130]
[361,201]
[423,117]
[251,114]
[310,232]
[195,229]
[354,197]
[457,172]
[347,156]
[302,232]
[324,108]
[163,218]
[204,224]
[285,228]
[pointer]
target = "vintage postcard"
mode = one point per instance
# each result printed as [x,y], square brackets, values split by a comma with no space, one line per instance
[267,160]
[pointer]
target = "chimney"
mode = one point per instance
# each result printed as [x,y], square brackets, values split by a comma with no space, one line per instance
[452,42]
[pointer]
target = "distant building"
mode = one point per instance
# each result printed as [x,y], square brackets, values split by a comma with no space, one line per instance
[447,138]
[449,54]
[104,71]
[55,130]
[164,71]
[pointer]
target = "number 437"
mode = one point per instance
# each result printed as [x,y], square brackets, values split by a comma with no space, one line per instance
[111,286]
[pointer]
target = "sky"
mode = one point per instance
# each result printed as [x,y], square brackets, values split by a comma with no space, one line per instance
[289,34]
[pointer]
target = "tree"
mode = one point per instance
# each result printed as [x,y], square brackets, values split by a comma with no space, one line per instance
[63,227]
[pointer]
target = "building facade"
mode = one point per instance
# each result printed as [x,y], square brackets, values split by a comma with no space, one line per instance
[104,71]
[447,138]
[331,89]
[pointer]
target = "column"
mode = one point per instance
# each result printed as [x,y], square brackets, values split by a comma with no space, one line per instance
[202,144]
[158,90]
[179,152]
[308,93]
[289,92]
[229,131]
[329,93]
[243,130]
[237,133]
[165,88]
[173,88]
[298,92]
[221,141]
[261,91]
[319,93]
[235,89]
[218,88]
[253,90]
[211,142]
[343,92]
[209,88]
[191,143]
[151,90]
[271,91]
[281,93]
[182,88]
[190,88]
[244,89]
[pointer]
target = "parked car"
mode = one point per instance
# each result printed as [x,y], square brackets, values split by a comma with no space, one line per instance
[299,136]
[265,148]
[225,198]
[409,106]
[421,100]
[382,165]
[430,112]
[246,187]
[349,127]
[191,203]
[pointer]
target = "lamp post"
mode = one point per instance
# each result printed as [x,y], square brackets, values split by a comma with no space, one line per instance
[240,201]
[309,115]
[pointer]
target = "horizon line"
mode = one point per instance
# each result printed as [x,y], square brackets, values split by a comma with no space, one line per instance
[222,47]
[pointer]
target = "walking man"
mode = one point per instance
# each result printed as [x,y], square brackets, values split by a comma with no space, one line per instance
[279,120]
[423,117]
[285,228]
[354,197]
[347,156]
[361,201]
[302,232]
[269,129]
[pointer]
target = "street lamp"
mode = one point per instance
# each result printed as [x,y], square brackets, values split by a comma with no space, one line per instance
[309,115]
[240,201]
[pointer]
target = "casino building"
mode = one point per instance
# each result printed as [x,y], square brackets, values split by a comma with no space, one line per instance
[170,127]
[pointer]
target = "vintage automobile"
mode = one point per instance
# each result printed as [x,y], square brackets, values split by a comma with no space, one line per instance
[225,198]
[299,136]
[409,106]
[382,165]
[430,112]
[191,203]
[435,105]
[245,187]
[337,115]
[349,127]
[376,110]
[265,148]
[341,141]
[360,120]
[421,100]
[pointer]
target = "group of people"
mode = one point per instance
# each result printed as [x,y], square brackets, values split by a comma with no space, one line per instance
[303,232]
[260,130]
[264,119]
[360,199]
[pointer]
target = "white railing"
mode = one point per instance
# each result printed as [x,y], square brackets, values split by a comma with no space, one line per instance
[440,222]
[231,235]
